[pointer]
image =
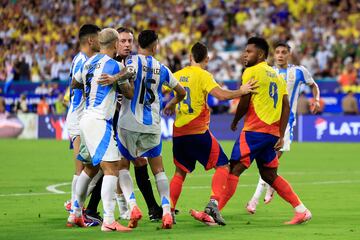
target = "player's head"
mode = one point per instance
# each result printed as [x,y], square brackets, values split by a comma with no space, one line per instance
[126,40]
[282,53]
[109,41]
[88,35]
[199,54]
[256,51]
[148,40]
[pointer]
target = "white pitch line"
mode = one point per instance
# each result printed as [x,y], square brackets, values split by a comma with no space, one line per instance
[52,188]
[185,187]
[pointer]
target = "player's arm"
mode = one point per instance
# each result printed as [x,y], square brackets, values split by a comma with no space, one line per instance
[126,73]
[76,84]
[127,89]
[316,94]
[308,79]
[241,110]
[179,96]
[225,94]
[285,112]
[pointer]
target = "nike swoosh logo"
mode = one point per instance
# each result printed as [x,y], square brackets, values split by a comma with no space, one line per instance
[113,229]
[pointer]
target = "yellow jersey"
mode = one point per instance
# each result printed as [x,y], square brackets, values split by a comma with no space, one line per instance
[193,113]
[265,107]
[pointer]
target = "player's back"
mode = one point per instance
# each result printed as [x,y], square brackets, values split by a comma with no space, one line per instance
[142,112]
[193,114]
[100,100]
[265,107]
[76,104]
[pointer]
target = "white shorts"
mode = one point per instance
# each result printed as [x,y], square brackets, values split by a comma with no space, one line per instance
[72,124]
[99,138]
[288,137]
[135,144]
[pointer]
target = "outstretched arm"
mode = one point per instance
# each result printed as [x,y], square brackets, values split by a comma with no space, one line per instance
[224,94]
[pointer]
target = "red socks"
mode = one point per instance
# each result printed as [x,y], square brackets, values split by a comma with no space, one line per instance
[284,189]
[218,184]
[175,189]
[230,189]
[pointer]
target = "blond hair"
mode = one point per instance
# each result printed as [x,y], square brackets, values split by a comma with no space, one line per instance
[107,37]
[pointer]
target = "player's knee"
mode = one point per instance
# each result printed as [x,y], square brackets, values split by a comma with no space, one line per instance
[140,162]
[124,164]
[180,172]
[236,168]
[268,176]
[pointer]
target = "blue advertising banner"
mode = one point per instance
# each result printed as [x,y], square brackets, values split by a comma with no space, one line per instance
[328,129]
[52,126]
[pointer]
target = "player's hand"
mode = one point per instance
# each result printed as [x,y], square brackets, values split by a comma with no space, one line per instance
[279,144]
[106,79]
[315,107]
[249,87]
[169,109]
[234,126]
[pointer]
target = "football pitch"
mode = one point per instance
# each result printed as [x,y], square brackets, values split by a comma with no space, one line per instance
[326,176]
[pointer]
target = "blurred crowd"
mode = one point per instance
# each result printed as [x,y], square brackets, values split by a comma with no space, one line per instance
[39,38]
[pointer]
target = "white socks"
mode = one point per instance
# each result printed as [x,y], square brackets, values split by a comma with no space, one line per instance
[73,187]
[127,187]
[107,195]
[259,190]
[121,201]
[162,184]
[94,181]
[80,193]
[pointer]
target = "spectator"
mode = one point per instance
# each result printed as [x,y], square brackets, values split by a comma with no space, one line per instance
[22,70]
[42,89]
[21,106]
[349,104]
[348,76]
[42,107]
[60,107]
[303,107]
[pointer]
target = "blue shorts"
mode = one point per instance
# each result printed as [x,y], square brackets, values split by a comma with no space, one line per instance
[204,148]
[255,145]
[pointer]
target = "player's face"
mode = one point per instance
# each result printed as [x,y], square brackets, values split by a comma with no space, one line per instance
[94,43]
[250,55]
[125,44]
[281,55]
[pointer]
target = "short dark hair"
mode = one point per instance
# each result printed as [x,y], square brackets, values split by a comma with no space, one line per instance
[260,43]
[88,29]
[146,38]
[199,52]
[124,29]
[282,44]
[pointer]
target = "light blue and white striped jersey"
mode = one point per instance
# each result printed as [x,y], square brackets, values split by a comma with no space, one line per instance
[142,113]
[77,103]
[100,100]
[76,99]
[294,77]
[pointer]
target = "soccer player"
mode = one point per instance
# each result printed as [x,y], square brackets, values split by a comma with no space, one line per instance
[97,130]
[266,117]
[140,129]
[141,173]
[295,76]
[89,44]
[192,139]
[140,165]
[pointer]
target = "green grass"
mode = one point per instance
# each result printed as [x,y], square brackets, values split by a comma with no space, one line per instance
[325,176]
